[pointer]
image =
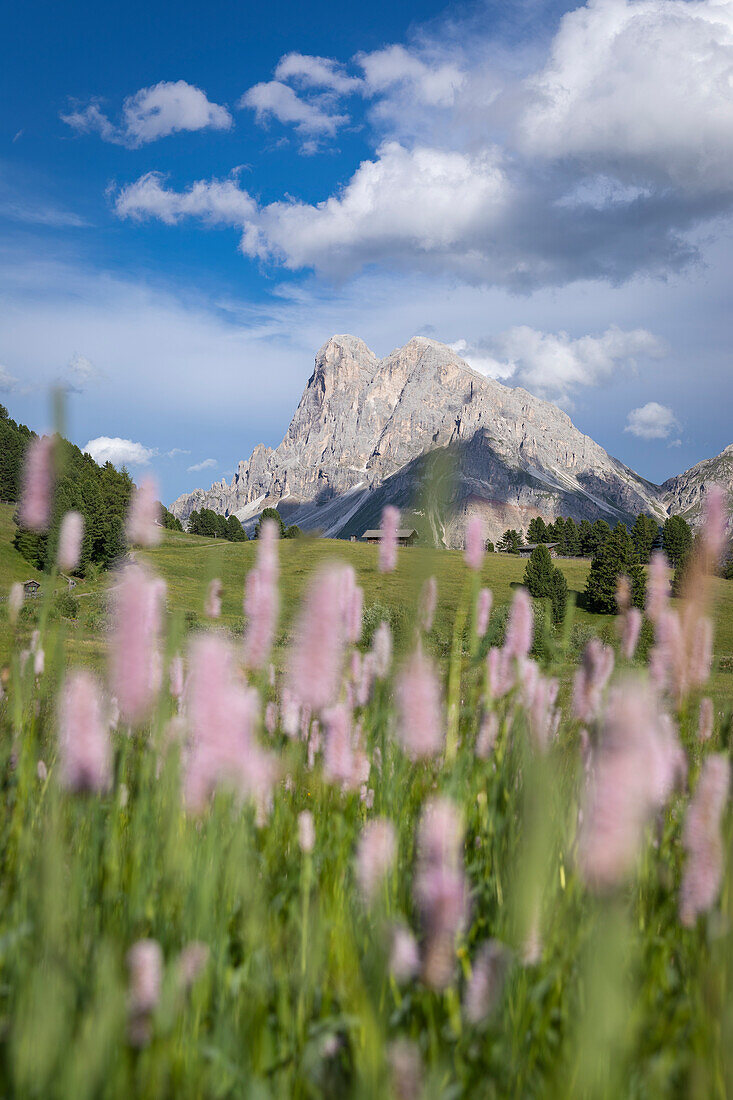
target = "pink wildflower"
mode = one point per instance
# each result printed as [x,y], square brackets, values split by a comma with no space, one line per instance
[701,653]
[317,651]
[630,632]
[382,650]
[212,604]
[501,674]
[419,707]
[352,604]
[475,544]
[657,589]
[623,594]
[15,601]
[543,717]
[375,856]
[703,841]
[486,981]
[715,524]
[175,676]
[404,959]
[38,474]
[440,888]
[262,599]
[406,1070]
[483,611]
[84,749]
[682,654]
[271,717]
[591,678]
[520,626]
[388,539]
[222,715]
[339,752]
[632,774]
[42,771]
[306,832]
[428,604]
[143,519]
[145,967]
[487,735]
[706,720]
[134,653]
[71,537]
[366,680]
[191,964]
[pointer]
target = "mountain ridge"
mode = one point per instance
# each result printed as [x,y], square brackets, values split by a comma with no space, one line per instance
[364,426]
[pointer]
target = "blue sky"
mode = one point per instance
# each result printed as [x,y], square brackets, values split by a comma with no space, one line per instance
[192,200]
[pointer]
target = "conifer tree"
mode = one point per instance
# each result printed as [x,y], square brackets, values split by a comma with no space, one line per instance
[614,558]
[235,531]
[644,534]
[676,539]
[537,530]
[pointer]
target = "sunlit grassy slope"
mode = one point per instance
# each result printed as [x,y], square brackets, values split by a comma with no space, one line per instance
[188,563]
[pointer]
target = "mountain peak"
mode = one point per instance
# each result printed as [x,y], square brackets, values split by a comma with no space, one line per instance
[363,426]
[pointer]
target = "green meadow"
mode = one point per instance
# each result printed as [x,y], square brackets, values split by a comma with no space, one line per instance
[188,562]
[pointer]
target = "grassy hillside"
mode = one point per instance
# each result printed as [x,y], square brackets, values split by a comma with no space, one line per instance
[13,566]
[188,563]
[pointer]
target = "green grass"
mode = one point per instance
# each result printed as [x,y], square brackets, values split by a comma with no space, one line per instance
[188,562]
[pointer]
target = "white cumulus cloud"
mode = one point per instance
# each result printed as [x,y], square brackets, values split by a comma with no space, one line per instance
[153,113]
[425,199]
[217,202]
[435,82]
[120,452]
[641,88]
[652,421]
[555,365]
[273,99]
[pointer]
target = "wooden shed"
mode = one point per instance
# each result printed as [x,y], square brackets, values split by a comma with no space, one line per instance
[406,536]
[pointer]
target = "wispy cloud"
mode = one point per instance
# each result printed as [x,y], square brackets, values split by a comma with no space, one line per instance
[39,213]
[8,382]
[205,464]
[556,365]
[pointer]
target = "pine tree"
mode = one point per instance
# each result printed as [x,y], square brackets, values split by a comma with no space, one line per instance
[538,574]
[614,558]
[235,531]
[273,514]
[511,541]
[600,531]
[545,582]
[572,538]
[585,534]
[559,595]
[537,530]
[676,539]
[644,534]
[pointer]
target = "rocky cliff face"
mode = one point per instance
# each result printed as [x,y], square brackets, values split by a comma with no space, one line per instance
[364,426]
[685,494]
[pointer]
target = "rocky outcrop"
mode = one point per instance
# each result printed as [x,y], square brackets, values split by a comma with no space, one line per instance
[364,427]
[685,494]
